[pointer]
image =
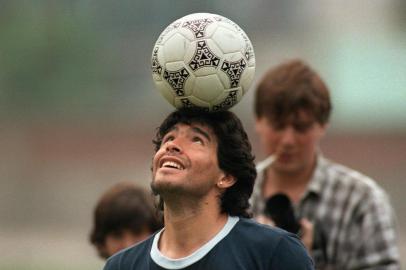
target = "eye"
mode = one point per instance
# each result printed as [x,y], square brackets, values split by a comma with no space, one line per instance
[303,127]
[278,126]
[198,140]
[168,138]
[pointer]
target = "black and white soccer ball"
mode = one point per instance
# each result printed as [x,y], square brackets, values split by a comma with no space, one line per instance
[203,60]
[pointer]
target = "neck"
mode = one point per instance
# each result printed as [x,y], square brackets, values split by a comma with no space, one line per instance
[293,184]
[189,225]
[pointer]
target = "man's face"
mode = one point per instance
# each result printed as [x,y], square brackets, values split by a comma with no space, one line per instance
[294,142]
[186,162]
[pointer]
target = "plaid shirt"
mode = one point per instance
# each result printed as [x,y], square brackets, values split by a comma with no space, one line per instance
[354,224]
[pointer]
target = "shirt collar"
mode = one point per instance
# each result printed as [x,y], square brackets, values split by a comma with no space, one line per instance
[318,178]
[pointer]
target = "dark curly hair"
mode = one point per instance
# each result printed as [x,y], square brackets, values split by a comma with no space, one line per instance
[233,153]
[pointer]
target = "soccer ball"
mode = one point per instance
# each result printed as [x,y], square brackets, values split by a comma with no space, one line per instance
[203,60]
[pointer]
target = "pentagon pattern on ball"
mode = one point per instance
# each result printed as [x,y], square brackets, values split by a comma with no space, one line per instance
[198,26]
[177,80]
[203,60]
[156,67]
[249,51]
[234,71]
[187,104]
[203,57]
[228,102]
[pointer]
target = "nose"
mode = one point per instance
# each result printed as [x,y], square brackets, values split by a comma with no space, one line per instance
[288,136]
[173,147]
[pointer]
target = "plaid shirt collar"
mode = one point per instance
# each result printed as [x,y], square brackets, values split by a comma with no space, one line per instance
[316,183]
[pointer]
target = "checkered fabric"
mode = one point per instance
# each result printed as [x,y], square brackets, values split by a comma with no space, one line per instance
[354,222]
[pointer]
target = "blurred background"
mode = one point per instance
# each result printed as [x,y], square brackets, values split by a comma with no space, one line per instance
[78,108]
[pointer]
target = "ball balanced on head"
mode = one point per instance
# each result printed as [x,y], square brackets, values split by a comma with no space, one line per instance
[203,60]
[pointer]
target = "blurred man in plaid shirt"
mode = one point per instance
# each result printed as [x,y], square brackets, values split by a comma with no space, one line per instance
[345,218]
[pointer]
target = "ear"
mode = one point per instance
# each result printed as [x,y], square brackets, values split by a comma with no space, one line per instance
[226,181]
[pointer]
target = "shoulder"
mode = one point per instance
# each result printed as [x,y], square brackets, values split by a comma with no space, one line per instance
[255,231]
[134,254]
[360,192]
[283,249]
[343,176]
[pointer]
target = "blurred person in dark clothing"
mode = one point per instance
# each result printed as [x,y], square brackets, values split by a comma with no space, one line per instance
[346,220]
[124,215]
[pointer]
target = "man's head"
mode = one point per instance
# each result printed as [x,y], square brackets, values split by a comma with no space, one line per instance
[289,88]
[124,215]
[198,152]
[292,108]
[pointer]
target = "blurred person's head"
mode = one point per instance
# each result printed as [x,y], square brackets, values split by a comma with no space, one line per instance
[124,215]
[292,109]
[208,146]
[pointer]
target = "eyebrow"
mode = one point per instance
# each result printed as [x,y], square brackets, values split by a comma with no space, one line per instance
[173,128]
[202,132]
[195,129]
[303,122]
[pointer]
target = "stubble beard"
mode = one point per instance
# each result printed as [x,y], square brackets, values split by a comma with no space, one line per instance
[164,187]
[169,190]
